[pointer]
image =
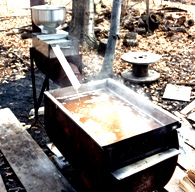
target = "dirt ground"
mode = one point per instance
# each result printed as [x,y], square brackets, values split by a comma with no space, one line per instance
[16,82]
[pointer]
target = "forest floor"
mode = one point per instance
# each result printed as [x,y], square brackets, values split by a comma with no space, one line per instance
[176,66]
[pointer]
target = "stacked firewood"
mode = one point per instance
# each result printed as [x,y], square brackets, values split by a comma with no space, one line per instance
[187,183]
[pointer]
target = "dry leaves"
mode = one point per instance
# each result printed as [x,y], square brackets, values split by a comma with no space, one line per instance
[14,52]
[176,66]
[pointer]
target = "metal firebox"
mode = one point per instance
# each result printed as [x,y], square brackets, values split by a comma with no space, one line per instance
[46,61]
[144,160]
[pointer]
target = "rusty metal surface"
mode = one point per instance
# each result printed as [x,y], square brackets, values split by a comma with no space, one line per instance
[53,70]
[94,162]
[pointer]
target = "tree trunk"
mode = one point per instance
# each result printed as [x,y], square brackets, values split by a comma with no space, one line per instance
[77,21]
[147,13]
[34,3]
[82,23]
[124,6]
[89,40]
[107,68]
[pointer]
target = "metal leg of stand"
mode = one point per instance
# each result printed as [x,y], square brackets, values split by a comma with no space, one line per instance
[33,84]
[45,86]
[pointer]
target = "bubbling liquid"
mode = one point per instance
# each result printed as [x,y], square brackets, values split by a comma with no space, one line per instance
[107,118]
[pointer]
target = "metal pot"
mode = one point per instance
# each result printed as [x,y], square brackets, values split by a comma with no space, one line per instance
[48,17]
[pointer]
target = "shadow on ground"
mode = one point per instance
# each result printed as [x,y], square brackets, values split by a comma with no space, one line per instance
[18,95]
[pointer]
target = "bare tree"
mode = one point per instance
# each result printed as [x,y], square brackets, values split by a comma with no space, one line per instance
[82,23]
[89,40]
[107,68]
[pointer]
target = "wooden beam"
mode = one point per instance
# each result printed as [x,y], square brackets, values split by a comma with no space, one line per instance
[189,135]
[173,184]
[186,158]
[32,166]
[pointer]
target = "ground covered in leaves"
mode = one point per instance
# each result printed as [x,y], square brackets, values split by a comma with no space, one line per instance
[177,66]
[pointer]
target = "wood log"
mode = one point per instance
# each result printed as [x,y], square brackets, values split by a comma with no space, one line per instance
[128,22]
[141,23]
[189,23]
[130,42]
[26,35]
[178,29]
[141,31]
[131,35]
[180,21]
[99,19]
[172,9]
[102,47]
[173,184]
[187,184]
[130,39]
[154,21]
[191,175]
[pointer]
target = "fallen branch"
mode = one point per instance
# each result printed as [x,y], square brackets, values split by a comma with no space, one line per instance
[14,31]
[172,9]
[184,83]
[4,17]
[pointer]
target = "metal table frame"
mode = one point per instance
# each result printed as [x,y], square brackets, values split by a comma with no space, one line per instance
[45,85]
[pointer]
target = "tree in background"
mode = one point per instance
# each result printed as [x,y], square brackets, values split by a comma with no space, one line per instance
[107,67]
[82,28]
[82,23]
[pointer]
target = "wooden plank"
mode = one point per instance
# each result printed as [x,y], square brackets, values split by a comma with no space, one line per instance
[186,160]
[2,186]
[32,166]
[187,157]
[187,145]
[186,130]
[173,184]
[188,108]
[188,135]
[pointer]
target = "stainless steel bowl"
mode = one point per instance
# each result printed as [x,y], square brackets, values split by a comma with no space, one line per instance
[48,17]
